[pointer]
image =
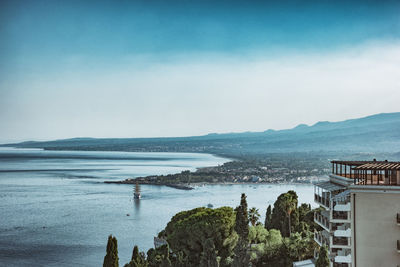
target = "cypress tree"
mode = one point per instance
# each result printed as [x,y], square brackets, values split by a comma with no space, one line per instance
[242,229]
[268,218]
[135,254]
[323,259]
[111,258]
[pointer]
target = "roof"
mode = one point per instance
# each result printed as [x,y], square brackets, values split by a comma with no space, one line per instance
[305,263]
[379,165]
[370,165]
[329,186]
[350,162]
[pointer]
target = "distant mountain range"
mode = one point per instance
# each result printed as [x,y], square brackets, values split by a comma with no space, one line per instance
[376,133]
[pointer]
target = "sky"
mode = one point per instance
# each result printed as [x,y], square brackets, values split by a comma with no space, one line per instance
[182,68]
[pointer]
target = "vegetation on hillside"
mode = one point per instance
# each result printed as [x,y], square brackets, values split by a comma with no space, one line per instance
[226,237]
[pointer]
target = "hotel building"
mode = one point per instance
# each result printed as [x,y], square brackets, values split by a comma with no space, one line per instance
[360,214]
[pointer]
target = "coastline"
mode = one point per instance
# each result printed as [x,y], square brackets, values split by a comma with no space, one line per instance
[199,184]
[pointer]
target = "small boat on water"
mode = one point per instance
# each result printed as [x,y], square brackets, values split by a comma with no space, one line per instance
[136,193]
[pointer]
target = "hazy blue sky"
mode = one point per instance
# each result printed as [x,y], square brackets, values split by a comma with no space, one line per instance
[178,68]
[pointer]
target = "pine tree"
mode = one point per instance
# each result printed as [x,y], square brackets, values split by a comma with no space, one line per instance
[111,258]
[209,255]
[242,229]
[323,259]
[268,218]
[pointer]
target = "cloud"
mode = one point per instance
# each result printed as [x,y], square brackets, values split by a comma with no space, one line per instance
[201,93]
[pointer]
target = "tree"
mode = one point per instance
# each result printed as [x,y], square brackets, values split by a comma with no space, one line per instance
[138,259]
[257,234]
[271,251]
[159,257]
[289,207]
[135,253]
[323,259]
[268,218]
[285,215]
[254,216]
[209,255]
[111,258]
[188,231]
[242,229]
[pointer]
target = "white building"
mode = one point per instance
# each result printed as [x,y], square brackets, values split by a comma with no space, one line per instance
[360,214]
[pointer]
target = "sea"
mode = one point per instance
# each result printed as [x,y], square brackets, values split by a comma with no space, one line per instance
[56,210]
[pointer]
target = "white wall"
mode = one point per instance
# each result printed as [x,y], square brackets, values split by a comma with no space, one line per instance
[375,230]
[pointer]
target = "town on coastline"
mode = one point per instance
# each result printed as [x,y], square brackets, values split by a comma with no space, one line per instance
[273,170]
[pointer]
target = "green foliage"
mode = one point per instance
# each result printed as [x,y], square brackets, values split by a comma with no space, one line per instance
[322,260]
[159,257]
[135,253]
[192,232]
[209,255]
[257,234]
[254,216]
[221,237]
[300,247]
[285,215]
[242,229]
[270,252]
[138,259]
[268,218]
[111,258]
[278,251]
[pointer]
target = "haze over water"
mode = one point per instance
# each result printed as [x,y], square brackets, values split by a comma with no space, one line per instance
[56,210]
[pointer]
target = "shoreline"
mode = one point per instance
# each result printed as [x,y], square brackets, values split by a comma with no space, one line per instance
[194,185]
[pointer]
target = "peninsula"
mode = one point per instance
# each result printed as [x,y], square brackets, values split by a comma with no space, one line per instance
[274,169]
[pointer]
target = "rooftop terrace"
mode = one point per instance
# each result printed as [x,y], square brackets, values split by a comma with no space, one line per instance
[368,172]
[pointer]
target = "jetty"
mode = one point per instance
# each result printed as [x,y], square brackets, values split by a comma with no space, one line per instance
[140,181]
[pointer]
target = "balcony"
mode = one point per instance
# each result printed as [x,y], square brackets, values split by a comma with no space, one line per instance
[342,207]
[340,241]
[342,231]
[322,218]
[340,216]
[343,256]
[322,238]
[324,201]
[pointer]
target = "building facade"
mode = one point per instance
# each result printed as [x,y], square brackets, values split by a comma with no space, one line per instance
[360,213]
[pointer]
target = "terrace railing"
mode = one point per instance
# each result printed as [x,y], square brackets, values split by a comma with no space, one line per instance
[340,241]
[340,215]
[322,200]
[318,217]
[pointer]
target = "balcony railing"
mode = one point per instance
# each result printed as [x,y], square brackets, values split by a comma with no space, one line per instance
[340,215]
[342,232]
[322,200]
[343,257]
[322,220]
[321,239]
[340,241]
[341,206]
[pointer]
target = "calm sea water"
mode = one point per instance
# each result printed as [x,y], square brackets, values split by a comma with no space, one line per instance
[55,209]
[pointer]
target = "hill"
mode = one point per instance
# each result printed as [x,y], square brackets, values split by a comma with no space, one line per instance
[376,133]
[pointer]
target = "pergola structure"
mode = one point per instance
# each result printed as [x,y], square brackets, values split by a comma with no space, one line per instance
[368,172]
